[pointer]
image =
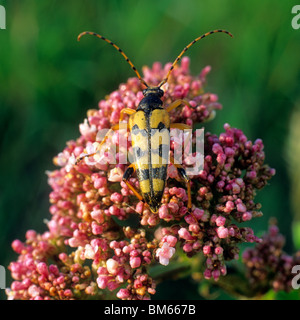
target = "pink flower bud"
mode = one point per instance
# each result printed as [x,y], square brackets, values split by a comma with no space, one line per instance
[222,232]
[17,246]
[171,240]
[241,207]
[112,285]
[216,274]
[30,234]
[195,228]
[207,274]
[220,221]
[188,247]
[213,218]
[184,234]
[112,266]
[116,197]
[42,269]
[135,262]
[216,148]
[173,207]
[34,291]
[229,206]
[96,229]
[206,249]
[115,175]
[165,253]
[163,211]
[123,294]
[219,250]
[223,270]
[235,188]
[247,216]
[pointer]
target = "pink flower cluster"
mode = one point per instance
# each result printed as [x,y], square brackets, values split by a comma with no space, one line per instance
[39,277]
[225,190]
[268,266]
[91,248]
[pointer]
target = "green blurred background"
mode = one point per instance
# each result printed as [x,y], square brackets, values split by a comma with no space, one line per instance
[48,81]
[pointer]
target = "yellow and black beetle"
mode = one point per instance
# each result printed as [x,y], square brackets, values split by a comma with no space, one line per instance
[150,126]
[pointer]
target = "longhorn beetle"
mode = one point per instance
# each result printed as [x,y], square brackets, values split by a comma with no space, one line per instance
[150,126]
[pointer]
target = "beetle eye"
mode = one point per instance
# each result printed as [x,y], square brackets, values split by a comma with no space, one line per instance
[161,92]
[144,92]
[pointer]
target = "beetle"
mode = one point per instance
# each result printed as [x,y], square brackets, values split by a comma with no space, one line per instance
[150,126]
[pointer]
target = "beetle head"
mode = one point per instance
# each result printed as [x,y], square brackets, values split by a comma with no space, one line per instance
[153,90]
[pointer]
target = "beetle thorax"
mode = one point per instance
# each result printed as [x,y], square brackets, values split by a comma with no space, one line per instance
[152,99]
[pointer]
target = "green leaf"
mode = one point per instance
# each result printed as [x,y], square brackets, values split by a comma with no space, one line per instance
[173,268]
[296,233]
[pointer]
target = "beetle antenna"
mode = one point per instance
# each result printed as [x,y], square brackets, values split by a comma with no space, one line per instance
[186,48]
[116,47]
[131,207]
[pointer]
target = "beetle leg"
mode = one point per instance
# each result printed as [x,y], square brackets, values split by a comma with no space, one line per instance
[127,174]
[180,126]
[117,126]
[187,181]
[113,128]
[176,104]
[126,111]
